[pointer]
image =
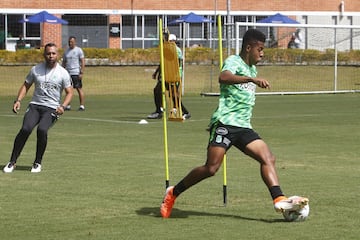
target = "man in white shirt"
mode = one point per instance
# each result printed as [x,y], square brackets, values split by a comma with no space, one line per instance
[49,79]
[74,63]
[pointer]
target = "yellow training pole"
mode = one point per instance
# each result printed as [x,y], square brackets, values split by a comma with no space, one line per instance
[220,42]
[166,155]
[220,66]
[225,182]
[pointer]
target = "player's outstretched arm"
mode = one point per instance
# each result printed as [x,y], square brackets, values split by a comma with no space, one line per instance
[227,77]
[263,83]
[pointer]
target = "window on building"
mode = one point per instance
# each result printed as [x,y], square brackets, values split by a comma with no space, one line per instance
[2,31]
[139,31]
[139,27]
[150,26]
[15,29]
[150,31]
[32,29]
[85,19]
[196,30]
[174,28]
[242,18]
[90,30]
[142,31]
[128,22]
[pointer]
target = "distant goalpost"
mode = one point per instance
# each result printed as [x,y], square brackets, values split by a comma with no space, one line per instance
[334,76]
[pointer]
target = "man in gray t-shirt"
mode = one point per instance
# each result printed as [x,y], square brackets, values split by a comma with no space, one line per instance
[49,79]
[74,63]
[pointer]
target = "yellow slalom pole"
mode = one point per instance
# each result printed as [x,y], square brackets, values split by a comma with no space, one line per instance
[163,90]
[220,42]
[220,66]
[224,182]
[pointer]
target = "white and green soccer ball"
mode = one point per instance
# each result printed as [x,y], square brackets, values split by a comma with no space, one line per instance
[297,215]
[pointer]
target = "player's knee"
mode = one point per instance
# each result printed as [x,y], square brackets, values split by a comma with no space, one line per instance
[270,160]
[42,132]
[25,131]
[212,170]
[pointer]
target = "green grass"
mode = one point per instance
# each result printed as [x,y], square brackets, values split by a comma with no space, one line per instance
[103,173]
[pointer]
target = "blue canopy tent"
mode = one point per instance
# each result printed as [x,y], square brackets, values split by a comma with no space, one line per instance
[43,17]
[186,20]
[191,18]
[278,18]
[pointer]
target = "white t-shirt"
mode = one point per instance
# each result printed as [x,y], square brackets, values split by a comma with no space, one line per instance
[72,57]
[49,84]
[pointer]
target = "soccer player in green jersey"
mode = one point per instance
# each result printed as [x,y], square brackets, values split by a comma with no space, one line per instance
[230,125]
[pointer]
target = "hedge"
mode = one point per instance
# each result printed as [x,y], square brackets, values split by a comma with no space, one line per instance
[200,55]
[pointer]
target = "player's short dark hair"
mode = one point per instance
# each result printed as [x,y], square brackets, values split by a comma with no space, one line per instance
[50,45]
[252,36]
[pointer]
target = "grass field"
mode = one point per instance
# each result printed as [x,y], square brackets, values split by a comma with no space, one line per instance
[136,80]
[103,173]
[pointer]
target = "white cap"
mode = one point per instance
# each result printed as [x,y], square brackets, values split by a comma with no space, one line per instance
[172,37]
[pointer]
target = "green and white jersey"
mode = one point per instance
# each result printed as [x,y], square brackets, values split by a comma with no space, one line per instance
[180,57]
[179,53]
[236,101]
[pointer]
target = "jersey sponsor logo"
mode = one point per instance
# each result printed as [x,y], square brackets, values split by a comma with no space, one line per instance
[251,87]
[226,141]
[220,139]
[48,86]
[221,131]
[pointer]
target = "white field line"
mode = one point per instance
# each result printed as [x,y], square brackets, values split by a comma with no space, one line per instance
[288,116]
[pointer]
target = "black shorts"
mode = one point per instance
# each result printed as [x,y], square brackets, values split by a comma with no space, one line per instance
[225,136]
[77,83]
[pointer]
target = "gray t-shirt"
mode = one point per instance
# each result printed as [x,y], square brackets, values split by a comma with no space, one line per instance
[49,84]
[72,59]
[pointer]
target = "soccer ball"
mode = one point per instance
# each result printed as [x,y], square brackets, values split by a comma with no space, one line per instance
[297,215]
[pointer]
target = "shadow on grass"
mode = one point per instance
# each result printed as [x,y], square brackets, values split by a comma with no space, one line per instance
[177,213]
